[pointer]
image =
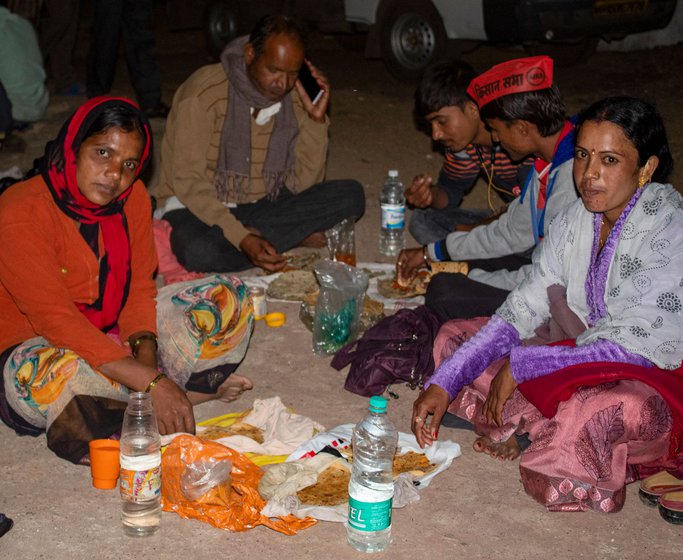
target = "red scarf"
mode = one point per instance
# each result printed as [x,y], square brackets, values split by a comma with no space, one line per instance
[58,167]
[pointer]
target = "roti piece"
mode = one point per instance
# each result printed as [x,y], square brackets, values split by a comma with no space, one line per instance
[236,429]
[412,462]
[331,488]
[391,289]
[293,285]
[301,262]
[450,266]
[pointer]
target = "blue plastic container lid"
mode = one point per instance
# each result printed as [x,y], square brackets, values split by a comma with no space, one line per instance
[378,404]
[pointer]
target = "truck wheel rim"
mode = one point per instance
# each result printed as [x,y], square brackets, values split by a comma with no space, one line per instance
[413,41]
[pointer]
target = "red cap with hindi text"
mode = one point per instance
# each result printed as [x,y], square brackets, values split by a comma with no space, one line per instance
[515,76]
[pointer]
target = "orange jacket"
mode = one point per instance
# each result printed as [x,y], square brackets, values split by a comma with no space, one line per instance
[46,268]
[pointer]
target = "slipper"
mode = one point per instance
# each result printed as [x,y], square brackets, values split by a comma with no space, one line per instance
[653,487]
[671,507]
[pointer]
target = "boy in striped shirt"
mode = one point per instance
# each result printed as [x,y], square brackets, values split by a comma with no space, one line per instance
[442,101]
[524,111]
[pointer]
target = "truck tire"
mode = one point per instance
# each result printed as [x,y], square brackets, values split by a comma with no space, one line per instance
[221,25]
[412,36]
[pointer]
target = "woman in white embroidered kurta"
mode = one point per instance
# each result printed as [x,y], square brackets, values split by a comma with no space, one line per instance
[615,259]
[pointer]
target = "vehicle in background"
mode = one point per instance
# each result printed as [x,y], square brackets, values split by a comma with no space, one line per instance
[411,34]
[223,20]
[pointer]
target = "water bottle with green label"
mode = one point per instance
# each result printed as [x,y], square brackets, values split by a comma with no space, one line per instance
[371,488]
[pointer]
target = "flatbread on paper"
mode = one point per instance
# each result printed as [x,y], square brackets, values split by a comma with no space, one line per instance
[390,288]
[331,488]
[293,285]
[301,262]
[237,429]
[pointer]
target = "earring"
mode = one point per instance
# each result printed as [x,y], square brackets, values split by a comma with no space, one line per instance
[641,182]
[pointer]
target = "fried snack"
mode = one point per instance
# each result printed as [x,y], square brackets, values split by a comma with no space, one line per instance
[412,462]
[450,266]
[236,429]
[331,488]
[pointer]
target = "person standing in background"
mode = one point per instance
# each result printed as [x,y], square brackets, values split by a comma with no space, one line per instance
[58,29]
[8,142]
[21,68]
[132,19]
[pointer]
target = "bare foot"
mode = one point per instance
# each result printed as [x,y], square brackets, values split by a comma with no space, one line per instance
[233,387]
[505,450]
[316,240]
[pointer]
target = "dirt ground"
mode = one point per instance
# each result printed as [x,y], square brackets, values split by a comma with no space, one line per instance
[477,509]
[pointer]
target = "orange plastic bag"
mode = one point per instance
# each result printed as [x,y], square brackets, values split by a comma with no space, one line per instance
[244,503]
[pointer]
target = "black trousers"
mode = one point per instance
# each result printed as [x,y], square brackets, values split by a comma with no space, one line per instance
[58,33]
[131,19]
[5,112]
[285,222]
[455,296]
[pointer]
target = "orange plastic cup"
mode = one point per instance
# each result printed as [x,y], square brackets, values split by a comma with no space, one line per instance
[104,463]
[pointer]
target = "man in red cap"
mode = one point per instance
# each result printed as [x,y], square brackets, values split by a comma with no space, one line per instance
[525,113]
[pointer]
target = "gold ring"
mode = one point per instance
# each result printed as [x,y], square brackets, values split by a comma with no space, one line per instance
[418,419]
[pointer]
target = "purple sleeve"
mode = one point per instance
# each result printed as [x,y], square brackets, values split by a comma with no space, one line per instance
[492,342]
[530,362]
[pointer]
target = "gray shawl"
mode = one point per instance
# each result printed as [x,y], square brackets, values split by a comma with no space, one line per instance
[233,171]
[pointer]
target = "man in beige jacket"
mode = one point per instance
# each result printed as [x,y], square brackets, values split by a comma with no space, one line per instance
[243,157]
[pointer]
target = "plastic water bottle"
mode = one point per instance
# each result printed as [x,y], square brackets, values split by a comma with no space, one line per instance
[140,484]
[393,206]
[371,488]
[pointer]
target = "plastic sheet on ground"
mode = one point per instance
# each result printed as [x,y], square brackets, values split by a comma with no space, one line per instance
[441,454]
[283,431]
[375,270]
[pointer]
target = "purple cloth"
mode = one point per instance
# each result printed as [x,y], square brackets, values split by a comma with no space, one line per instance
[601,260]
[530,362]
[493,341]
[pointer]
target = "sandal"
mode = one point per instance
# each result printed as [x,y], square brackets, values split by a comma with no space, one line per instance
[654,487]
[671,507]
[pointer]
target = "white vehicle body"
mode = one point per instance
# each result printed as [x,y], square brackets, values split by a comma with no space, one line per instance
[465,22]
